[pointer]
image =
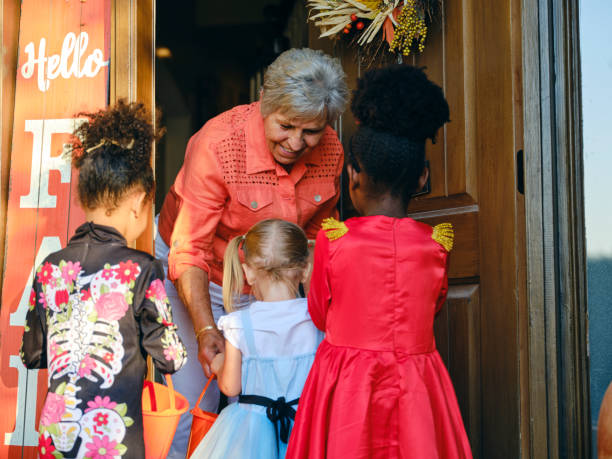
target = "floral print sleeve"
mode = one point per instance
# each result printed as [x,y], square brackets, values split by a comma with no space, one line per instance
[159,337]
[96,308]
[33,346]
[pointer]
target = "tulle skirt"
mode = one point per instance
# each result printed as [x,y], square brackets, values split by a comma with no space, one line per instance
[241,431]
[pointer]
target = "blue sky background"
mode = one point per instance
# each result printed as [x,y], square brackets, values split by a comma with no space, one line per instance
[596,49]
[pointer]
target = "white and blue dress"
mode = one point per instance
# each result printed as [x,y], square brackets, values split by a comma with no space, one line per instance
[278,342]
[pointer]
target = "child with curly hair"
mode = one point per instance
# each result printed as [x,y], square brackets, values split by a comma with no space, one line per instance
[378,387]
[98,307]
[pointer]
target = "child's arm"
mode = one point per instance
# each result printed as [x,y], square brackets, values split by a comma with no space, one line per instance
[217,363]
[34,344]
[319,293]
[158,332]
[228,368]
[443,290]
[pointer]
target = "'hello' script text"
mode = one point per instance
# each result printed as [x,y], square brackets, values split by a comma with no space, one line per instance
[71,62]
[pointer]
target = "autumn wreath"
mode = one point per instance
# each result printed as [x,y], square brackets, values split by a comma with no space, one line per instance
[400,23]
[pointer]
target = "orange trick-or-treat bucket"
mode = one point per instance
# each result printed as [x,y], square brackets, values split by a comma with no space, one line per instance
[604,426]
[201,423]
[162,407]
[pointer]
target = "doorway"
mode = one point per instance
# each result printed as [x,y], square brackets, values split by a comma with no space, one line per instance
[210,57]
[213,61]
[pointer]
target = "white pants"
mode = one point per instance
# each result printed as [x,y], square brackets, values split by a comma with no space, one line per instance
[189,380]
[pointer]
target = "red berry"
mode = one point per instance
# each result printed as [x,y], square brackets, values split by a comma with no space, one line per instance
[359,25]
[353,17]
[349,25]
[345,30]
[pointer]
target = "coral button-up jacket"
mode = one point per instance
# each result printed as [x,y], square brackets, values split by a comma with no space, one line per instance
[230,181]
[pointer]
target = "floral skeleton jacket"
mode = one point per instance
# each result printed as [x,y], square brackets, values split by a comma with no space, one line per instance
[97,308]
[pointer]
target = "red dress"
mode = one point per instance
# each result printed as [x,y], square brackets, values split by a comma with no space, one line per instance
[378,387]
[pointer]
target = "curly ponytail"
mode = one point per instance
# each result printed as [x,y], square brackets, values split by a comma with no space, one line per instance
[112,153]
[398,109]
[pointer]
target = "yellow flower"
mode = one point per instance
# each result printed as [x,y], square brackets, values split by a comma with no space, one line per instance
[411,27]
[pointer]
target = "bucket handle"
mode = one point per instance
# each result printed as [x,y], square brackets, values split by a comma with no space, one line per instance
[151,377]
[171,391]
[204,391]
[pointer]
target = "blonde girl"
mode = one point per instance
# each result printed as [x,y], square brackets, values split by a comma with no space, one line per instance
[269,346]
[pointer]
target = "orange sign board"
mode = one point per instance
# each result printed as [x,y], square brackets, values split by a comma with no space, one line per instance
[63,69]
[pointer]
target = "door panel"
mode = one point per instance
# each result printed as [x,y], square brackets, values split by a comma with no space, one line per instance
[459,322]
[464,259]
[452,157]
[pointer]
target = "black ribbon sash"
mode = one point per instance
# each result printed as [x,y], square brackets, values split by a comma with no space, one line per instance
[279,412]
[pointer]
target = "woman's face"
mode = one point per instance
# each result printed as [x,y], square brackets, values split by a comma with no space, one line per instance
[288,140]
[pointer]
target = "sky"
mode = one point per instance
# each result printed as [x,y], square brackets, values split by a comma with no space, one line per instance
[596,54]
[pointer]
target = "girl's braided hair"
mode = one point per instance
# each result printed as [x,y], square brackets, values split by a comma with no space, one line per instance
[398,108]
[112,153]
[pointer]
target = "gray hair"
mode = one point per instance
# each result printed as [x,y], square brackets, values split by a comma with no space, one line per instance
[305,84]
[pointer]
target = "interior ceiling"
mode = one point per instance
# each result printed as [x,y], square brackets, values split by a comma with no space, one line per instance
[232,12]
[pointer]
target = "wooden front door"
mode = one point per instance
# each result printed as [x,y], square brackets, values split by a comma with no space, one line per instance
[474,52]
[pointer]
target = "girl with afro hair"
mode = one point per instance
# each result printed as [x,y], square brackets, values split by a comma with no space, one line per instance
[98,307]
[378,387]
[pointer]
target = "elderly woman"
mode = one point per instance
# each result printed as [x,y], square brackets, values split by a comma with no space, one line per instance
[276,158]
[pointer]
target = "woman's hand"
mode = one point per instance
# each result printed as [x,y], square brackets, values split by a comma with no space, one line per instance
[210,345]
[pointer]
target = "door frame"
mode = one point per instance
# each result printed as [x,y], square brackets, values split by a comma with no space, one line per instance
[132,69]
[558,380]
[10,12]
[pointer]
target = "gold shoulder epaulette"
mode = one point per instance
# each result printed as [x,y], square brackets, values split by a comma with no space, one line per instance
[333,228]
[443,234]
